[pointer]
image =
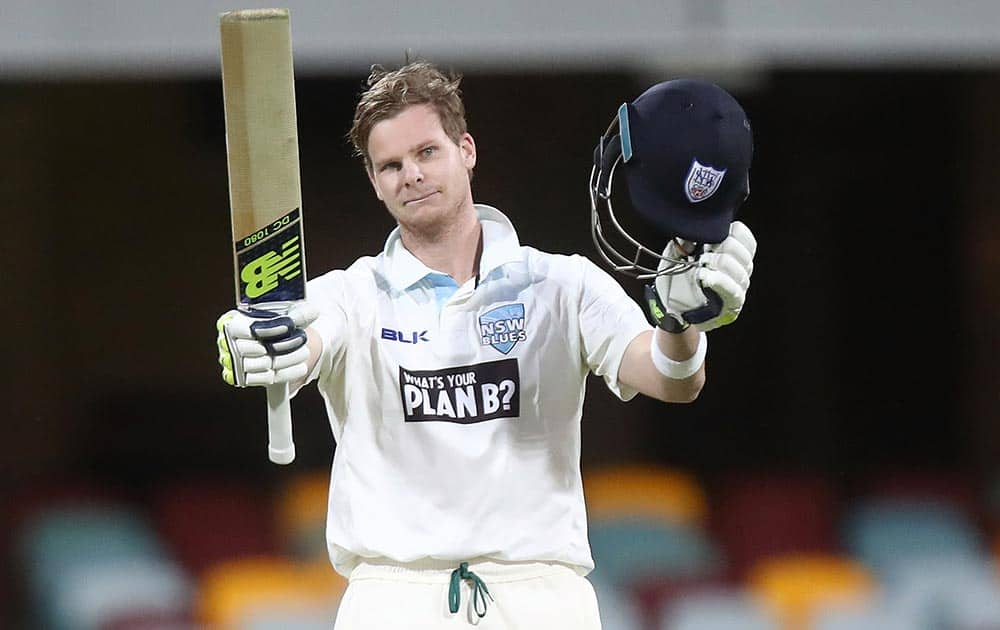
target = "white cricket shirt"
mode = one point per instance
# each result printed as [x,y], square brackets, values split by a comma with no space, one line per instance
[457,417]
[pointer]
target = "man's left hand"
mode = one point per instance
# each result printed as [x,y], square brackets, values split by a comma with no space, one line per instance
[711,293]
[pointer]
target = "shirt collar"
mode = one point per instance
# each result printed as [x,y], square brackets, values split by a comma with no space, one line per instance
[500,246]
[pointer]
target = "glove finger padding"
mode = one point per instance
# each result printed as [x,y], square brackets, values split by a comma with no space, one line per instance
[287,360]
[250,348]
[740,233]
[257,379]
[270,377]
[728,265]
[734,249]
[291,373]
[728,289]
[236,324]
[257,365]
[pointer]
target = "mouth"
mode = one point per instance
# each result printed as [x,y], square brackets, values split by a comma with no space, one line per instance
[419,200]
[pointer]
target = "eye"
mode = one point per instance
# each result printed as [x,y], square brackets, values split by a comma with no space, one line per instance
[389,166]
[428,151]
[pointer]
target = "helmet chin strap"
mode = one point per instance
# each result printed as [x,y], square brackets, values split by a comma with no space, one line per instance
[645,263]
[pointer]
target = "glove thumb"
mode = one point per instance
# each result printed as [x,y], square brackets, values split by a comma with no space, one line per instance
[303,314]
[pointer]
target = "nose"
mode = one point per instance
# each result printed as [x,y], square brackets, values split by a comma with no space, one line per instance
[411,173]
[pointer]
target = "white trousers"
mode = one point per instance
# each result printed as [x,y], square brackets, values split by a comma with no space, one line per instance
[525,596]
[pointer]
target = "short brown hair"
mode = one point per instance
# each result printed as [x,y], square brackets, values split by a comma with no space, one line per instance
[390,92]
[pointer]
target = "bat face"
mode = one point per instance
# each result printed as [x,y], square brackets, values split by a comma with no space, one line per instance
[265,195]
[270,262]
[262,146]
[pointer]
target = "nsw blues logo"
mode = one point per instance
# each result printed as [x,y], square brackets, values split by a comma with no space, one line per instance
[502,327]
[702,182]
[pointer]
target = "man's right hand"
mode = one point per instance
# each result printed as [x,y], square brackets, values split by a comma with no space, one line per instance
[259,347]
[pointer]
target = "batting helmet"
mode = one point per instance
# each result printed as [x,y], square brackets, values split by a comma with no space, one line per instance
[685,147]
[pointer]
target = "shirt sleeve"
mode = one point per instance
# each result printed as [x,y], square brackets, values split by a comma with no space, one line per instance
[324,294]
[609,321]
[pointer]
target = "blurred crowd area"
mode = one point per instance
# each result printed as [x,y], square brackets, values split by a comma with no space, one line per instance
[902,550]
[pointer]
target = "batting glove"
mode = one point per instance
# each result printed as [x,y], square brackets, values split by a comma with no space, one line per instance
[259,347]
[711,293]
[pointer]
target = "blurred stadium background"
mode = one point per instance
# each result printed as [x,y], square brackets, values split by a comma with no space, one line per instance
[840,471]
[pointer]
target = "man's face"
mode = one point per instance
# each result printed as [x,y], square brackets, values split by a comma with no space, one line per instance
[420,174]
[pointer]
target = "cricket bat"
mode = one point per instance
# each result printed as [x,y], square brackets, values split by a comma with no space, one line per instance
[265,193]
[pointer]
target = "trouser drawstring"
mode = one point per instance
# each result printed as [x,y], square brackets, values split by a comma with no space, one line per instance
[479,590]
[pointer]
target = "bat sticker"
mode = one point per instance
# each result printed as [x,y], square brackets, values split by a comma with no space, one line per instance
[270,259]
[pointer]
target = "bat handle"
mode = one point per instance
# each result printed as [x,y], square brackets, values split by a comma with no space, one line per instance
[280,448]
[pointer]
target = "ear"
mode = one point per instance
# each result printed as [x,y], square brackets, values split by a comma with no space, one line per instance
[371,178]
[467,145]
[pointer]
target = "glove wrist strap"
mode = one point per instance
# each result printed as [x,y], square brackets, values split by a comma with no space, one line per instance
[664,321]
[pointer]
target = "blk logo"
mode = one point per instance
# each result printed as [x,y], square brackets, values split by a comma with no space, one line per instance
[413,337]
